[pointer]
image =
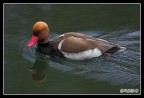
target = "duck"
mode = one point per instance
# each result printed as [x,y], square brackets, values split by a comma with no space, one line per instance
[71,45]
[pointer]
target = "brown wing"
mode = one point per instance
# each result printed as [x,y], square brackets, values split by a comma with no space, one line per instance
[74,45]
[84,36]
[57,41]
[76,34]
[69,34]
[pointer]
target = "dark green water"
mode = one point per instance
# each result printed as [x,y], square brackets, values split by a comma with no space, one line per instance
[117,23]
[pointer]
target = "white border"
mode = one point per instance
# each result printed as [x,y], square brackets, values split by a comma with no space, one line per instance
[71,94]
[72,3]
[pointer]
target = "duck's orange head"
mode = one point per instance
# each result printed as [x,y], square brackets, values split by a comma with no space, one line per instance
[41,33]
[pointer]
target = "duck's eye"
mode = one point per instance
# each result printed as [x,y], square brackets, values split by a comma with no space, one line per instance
[35,33]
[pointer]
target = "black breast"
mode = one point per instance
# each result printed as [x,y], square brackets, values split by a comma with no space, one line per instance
[48,49]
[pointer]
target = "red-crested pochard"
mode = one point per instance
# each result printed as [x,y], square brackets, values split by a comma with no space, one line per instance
[70,45]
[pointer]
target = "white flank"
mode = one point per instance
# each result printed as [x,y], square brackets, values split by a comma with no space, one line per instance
[60,44]
[83,55]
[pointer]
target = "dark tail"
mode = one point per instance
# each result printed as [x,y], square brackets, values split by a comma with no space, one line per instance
[115,49]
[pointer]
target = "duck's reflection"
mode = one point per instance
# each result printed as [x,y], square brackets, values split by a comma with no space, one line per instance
[39,70]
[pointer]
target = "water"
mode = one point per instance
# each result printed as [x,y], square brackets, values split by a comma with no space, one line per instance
[119,24]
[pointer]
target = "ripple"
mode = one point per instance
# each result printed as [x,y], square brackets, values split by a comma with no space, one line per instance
[122,69]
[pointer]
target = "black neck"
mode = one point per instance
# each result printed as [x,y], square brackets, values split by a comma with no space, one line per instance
[44,44]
